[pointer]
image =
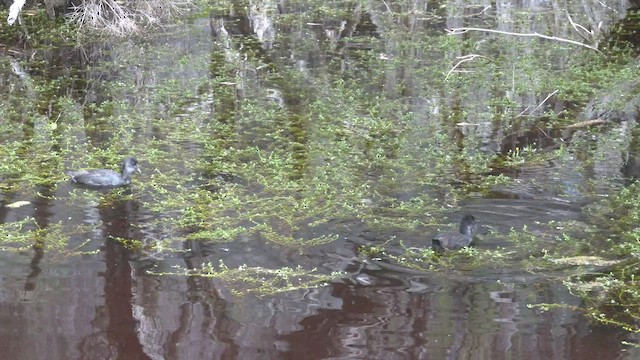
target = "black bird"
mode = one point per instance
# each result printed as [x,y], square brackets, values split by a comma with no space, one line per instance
[453,240]
[107,178]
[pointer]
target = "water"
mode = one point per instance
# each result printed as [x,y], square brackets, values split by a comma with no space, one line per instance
[102,273]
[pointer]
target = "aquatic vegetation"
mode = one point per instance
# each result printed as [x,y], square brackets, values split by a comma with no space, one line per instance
[519,157]
[130,244]
[610,299]
[243,139]
[25,234]
[613,296]
[258,281]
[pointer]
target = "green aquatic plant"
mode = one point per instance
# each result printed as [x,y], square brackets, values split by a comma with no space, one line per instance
[25,234]
[424,258]
[290,241]
[603,272]
[610,299]
[257,281]
[130,244]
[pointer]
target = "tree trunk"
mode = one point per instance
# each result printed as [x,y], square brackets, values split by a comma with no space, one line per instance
[51,6]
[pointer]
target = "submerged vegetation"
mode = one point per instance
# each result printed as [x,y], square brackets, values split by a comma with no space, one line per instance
[244,142]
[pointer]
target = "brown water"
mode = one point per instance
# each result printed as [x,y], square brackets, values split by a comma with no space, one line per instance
[98,299]
[105,306]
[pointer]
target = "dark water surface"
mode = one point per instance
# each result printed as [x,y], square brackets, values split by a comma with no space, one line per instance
[97,298]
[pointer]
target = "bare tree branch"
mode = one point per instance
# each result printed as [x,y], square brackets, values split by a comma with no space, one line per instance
[463,59]
[459,31]
[539,105]
[581,30]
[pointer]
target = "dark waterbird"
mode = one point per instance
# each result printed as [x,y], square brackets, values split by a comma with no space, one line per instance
[456,240]
[107,178]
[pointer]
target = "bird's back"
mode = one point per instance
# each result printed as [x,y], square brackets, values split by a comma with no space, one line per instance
[100,177]
[451,241]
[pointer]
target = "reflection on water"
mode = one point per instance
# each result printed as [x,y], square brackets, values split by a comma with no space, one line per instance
[99,302]
[105,306]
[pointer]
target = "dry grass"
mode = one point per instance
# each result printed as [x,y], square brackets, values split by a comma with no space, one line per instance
[122,18]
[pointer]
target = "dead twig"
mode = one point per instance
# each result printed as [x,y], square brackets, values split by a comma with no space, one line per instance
[463,59]
[539,105]
[479,13]
[387,6]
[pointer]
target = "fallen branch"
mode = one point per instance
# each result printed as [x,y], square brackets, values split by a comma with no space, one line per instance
[459,31]
[463,59]
[586,123]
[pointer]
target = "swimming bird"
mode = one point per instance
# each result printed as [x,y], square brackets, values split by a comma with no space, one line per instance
[107,178]
[453,240]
